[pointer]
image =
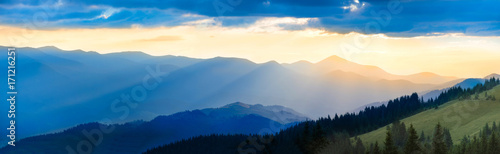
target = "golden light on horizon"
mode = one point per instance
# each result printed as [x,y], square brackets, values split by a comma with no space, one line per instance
[450,55]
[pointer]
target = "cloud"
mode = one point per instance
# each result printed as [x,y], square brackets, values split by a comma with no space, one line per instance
[416,18]
[274,24]
[204,22]
[266,3]
[354,6]
[108,13]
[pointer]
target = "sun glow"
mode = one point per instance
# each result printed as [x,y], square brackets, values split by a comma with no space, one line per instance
[449,54]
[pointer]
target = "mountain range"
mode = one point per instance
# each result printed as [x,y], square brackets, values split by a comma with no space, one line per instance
[83,86]
[138,136]
[335,63]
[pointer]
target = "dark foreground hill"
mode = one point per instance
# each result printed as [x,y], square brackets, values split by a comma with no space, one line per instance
[135,137]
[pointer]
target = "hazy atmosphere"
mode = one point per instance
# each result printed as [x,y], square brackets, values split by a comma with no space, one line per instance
[250,76]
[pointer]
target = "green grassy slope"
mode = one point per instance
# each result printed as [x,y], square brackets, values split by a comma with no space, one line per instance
[462,117]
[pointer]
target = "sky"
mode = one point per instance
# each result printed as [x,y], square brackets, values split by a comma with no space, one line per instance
[447,37]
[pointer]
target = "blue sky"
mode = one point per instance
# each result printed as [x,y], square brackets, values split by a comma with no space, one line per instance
[406,18]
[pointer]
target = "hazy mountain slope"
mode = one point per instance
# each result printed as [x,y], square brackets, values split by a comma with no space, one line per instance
[335,63]
[135,56]
[443,86]
[464,83]
[467,83]
[471,82]
[268,84]
[138,136]
[271,83]
[351,80]
[77,84]
[187,88]
[367,88]
[462,117]
[427,77]
[357,85]
[180,61]
[276,113]
[302,66]
[141,57]
[84,85]
[493,75]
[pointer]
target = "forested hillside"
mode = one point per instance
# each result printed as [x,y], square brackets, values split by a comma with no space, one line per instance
[334,134]
[463,116]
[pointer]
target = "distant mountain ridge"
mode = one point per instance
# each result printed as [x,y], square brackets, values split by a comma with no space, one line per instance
[276,113]
[335,63]
[493,75]
[137,136]
[466,83]
[83,85]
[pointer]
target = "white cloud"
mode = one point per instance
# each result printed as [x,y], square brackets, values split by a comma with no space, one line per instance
[271,21]
[353,7]
[266,3]
[204,22]
[356,6]
[59,3]
[275,24]
[136,26]
[193,15]
[263,25]
[108,13]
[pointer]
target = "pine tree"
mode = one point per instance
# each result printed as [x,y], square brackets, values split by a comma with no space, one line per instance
[494,127]
[493,144]
[389,144]
[447,138]
[422,137]
[476,146]
[360,148]
[412,145]
[487,129]
[438,145]
[376,149]
[463,145]
[484,142]
[319,140]
[305,139]
[399,134]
